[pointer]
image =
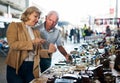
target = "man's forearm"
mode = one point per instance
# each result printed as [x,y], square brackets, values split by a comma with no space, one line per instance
[66,55]
[62,50]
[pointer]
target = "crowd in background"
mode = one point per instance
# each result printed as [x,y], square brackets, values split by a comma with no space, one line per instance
[75,34]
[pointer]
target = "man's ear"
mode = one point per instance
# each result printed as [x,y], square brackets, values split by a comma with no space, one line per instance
[45,17]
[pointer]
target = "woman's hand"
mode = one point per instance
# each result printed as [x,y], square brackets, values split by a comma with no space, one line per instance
[52,48]
[42,41]
[38,41]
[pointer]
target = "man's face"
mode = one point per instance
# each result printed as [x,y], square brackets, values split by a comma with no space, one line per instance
[51,21]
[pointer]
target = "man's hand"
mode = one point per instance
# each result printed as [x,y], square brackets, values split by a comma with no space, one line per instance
[52,48]
[69,58]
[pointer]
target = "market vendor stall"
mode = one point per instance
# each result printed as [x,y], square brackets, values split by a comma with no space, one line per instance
[91,64]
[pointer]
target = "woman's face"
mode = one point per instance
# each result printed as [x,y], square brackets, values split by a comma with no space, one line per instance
[33,19]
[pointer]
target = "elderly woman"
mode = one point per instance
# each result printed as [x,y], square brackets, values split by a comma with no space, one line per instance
[25,48]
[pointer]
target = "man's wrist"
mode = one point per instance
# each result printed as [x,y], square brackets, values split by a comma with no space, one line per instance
[67,55]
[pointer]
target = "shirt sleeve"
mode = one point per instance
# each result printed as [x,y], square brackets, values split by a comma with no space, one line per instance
[59,40]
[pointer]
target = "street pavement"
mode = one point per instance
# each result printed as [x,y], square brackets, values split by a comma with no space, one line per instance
[57,56]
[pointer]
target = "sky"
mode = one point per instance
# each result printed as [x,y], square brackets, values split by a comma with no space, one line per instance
[76,10]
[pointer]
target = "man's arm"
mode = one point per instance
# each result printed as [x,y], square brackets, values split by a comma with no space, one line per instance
[63,52]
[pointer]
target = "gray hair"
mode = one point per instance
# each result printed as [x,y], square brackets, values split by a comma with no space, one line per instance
[53,13]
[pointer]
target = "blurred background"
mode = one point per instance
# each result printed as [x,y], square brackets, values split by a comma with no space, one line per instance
[75,13]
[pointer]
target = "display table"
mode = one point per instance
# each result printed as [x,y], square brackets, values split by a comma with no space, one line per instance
[71,73]
[90,65]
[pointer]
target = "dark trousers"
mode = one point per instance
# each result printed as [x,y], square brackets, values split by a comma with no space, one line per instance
[25,73]
[45,63]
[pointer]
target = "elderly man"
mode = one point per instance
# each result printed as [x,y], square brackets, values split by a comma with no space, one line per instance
[52,35]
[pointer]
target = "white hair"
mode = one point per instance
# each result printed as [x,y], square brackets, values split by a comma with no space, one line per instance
[53,13]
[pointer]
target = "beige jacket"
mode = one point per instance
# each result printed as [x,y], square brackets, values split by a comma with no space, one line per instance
[20,43]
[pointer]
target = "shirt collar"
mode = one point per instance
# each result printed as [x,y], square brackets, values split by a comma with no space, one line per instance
[27,26]
[52,30]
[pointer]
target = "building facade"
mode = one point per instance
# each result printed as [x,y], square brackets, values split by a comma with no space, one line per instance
[12,8]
